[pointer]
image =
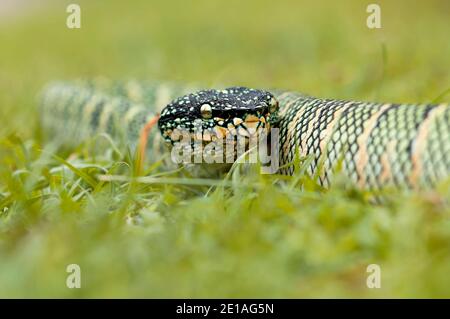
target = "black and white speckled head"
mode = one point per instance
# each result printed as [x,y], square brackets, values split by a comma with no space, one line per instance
[218,113]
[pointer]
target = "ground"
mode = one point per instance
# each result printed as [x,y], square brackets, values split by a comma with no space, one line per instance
[254,235]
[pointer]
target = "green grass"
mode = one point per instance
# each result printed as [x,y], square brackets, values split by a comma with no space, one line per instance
[252,235]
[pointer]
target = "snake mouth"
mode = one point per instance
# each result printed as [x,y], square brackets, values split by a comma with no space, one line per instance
[220,144]
[224,131]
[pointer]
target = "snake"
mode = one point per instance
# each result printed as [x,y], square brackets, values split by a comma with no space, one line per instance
[375,145]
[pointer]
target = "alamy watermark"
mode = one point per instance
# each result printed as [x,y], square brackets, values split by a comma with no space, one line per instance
[73,20]
[374,19]
[74,278]
[374,279]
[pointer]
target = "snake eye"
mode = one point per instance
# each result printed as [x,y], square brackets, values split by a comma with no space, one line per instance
[206,111]
[273,105]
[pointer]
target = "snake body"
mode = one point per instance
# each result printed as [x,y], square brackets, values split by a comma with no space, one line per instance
[379,143]
[375,144]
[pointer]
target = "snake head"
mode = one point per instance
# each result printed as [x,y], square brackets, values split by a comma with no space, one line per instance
[210,115]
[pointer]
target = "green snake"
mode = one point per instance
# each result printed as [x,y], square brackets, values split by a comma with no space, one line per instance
[374,144]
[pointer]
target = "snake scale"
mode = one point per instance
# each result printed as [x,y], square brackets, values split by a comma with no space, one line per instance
[376,144]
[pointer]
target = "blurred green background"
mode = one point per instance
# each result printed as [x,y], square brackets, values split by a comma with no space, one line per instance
[266,241]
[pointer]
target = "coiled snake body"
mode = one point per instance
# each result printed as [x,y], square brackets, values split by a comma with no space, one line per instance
[376,144]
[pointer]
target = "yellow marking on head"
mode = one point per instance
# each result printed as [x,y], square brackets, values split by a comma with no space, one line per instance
[176,135]
[167,132]
[237,121]
[206,136]
[251,127]
[220,131]
[231,129]
[251,118]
